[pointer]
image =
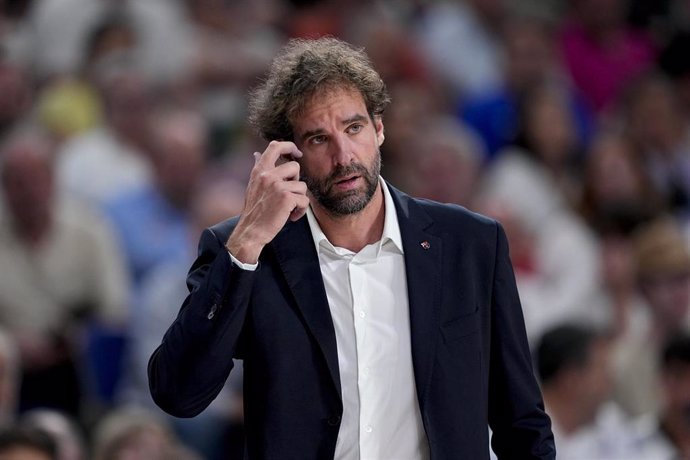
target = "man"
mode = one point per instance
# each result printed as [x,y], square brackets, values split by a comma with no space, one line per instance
[666,436]
[662,259]
[377,326]
[574,368]
[62,275]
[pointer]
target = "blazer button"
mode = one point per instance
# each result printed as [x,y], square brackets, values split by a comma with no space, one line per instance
[212,313]
[334,420]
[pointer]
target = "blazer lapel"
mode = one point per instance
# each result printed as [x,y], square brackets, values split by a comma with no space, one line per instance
[296,254]
[423,253]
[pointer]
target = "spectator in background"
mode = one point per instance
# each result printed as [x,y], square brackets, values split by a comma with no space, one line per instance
[616,183]
[412,98]
[601,52]
[617,198]
[26,444]
[152,220]
[135,434]
[668,436]
[61,270]
[573,364]
[112,158]
[245,30]
[60,28]
[69,104]
[663,277]
[547,133]
[556,255]
[446,162]
[461,42]
[68,438]
[217,433]
[660,133]
[531,61]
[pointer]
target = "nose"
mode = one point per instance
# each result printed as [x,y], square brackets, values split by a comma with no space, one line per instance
[341,151]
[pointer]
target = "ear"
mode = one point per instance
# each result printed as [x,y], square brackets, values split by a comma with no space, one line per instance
[378,125]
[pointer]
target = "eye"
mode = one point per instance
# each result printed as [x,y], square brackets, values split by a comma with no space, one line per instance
[355,128]
[317,140]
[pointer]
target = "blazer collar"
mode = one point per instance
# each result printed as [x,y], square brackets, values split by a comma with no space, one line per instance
[423,262]
[296,255]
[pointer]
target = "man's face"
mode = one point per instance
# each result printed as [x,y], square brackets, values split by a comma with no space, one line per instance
[340,143]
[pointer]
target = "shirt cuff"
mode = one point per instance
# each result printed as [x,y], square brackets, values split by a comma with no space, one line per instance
[243,266]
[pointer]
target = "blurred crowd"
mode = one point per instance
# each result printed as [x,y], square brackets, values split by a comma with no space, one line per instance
[123,134]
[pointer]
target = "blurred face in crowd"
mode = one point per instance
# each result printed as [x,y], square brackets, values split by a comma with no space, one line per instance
[128,107]
[179,156]
[444,174]
[668,295]
[587,386]
[28,183]
[445,164]
[613,173]
[655,120]
[595,377]
[549,127]
[340,143]
[529,54]
[617,263]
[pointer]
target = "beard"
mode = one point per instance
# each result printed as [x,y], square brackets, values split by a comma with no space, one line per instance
[348,202]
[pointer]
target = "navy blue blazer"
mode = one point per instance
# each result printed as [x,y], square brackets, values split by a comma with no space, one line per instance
[470,355]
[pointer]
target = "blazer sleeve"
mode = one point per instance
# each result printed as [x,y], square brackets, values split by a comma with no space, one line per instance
[189,368]
[521,428]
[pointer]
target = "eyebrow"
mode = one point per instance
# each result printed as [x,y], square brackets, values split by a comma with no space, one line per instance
[315,132]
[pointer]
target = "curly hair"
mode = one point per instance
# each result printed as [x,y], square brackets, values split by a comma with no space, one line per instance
[304,67]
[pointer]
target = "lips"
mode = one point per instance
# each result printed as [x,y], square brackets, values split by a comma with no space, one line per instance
[346,179]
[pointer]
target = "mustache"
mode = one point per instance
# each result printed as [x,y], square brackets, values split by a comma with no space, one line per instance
[341,172]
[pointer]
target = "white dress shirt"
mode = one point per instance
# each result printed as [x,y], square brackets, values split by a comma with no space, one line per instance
[367,297]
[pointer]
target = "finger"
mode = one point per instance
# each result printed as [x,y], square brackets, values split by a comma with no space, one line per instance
[275,150]
[300,210]
[287,171]
[295,186]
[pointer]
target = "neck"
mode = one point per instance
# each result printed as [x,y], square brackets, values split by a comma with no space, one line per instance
[355,231]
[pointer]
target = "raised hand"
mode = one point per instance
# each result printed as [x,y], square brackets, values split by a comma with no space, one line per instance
[274,195]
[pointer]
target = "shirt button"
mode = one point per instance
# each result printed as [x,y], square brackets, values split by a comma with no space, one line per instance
[362,314]
[368,429]
[334,420]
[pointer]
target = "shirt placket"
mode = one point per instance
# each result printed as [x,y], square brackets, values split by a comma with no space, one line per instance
[361,304]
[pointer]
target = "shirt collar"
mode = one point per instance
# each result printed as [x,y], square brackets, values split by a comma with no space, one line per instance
[391,228]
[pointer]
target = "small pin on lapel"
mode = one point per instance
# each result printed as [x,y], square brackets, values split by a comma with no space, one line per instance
[425,245]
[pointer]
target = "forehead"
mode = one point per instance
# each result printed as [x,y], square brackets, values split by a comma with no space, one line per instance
[328,103]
